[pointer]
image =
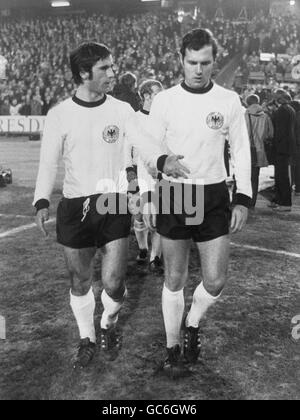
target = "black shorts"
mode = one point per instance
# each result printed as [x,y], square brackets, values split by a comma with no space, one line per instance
[79,224]
[216,215]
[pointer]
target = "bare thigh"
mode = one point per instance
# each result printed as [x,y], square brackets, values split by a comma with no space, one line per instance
[79,264]
[176,260]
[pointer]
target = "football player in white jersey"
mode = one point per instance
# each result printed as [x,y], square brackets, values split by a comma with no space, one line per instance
[193,119]
[88,132]
[148,90]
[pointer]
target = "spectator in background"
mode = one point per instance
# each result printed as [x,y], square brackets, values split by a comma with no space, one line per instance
[285,144]
[249,91]
[5,107]
[296,163]
[14,107]
[269,109]
[26,106]
[126,91]
[47,104]
[261,93]
[259,130]
[36,105]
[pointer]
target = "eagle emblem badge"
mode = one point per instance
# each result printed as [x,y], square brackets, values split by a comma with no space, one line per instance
[111,134]
[215,120]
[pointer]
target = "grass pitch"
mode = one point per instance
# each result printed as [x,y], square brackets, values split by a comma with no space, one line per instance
[248,352]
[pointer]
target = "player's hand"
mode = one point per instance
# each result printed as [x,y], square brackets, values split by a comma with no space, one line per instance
[174,168]
[149,216]
[239,218]
[41,218]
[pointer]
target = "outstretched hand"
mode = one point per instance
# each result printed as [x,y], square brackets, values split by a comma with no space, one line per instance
[174,168]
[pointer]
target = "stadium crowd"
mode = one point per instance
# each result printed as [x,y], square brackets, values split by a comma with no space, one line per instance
[37,52]
[145,46]
[278,36]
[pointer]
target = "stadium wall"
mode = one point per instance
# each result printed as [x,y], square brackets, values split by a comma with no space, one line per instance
[21,124]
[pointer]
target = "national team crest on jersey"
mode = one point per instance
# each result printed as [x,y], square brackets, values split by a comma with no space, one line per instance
[215,120]
[111,134]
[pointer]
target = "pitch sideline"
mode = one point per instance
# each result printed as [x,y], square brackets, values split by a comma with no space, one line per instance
[20,229]
[261,249]
[23,228]
[16,216]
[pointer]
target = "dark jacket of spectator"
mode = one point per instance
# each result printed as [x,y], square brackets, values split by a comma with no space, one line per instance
[259,128]
[296,106]
[48,103]
[5,108]
[25,109]
[285,130]
[36,106]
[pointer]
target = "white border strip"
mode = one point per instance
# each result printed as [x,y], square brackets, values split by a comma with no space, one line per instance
[21,229]
[250,247]
[15,216]
[271,251]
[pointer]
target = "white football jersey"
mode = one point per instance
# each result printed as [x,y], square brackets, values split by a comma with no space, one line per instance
[196,125]
[90,138]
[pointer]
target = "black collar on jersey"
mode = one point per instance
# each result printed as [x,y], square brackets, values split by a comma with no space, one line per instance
[89,104]
[197,91]
[145,112]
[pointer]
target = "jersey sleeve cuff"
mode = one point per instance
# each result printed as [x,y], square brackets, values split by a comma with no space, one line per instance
[161,162]
[242,200]
[42,204]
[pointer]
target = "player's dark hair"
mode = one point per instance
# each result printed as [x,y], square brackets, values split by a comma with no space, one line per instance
[146,87]
[128,80]
[83,58]
[198,39]
[282,96]
[252,100]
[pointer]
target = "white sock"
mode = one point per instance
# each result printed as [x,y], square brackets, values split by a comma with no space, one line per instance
[173,309]
[141,233]
[202,301]
[156,246]
[83,309]
[111,310]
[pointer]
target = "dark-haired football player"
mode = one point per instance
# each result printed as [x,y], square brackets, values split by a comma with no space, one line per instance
[193,119]
[88,132]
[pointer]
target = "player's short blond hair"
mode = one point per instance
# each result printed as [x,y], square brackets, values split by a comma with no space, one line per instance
[146,87]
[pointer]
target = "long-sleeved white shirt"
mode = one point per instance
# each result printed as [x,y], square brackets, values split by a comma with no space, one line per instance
[91,140]
[195,125]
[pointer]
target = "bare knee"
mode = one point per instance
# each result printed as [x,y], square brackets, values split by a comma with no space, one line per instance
[114,284]
[80,282]
[215,282]
[79,266]
[176,280]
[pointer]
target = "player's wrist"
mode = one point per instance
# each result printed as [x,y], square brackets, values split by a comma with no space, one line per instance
[242,200]
[161,163]
[42,204]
